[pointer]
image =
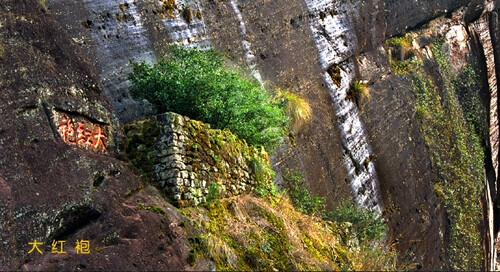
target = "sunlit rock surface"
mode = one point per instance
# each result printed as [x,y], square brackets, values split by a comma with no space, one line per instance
[76,65]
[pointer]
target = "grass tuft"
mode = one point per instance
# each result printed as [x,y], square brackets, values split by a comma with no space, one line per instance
[298,109]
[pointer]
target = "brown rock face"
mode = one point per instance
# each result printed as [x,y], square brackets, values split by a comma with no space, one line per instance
[280,38]
[52,189]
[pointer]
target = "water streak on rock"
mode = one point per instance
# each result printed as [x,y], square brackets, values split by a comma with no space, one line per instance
[249,55]
[335,40]
[117,27]
[191,34]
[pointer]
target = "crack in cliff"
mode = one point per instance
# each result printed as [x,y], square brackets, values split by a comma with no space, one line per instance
[483,31]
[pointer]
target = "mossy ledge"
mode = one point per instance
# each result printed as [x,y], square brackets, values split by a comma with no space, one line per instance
[269,234]
[184,157]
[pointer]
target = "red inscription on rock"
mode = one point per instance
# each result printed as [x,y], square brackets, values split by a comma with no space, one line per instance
[93,137]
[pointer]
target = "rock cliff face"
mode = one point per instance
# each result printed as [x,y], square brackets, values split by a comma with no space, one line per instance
[55,188]
[65,59]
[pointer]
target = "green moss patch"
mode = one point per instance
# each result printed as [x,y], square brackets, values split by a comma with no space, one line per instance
[451,130]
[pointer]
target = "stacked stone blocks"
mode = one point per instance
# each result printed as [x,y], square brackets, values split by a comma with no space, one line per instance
[185,157]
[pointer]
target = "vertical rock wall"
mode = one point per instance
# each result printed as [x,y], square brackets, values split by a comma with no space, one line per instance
[482,30]
[335,40]
[53,187]
[284,52]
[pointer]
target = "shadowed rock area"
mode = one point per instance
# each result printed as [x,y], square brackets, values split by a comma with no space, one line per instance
[70,59]
[52,190]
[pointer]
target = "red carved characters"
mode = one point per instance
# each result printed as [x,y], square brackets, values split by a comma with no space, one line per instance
[100,137]
[83,137]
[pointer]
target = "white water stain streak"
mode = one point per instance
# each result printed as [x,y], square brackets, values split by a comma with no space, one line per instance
[336,42]
[130,32]
[192,34]
[117,42]
[249,55]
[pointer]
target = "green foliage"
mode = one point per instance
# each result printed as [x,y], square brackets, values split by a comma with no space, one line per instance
[197,84]
[402,56]
[449,127]
[301,198]
[400,67]
[269,234]
[367,224]
[402,42]
[359,93]
[43,3]
[467,86]
[214,192]
[263,175]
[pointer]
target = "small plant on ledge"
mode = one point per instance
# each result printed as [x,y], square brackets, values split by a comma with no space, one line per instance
[359,94]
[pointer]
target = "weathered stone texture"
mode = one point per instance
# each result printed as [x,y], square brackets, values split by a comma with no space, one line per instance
[37,76]
[184,157]
[52,190]
[414,214]
[402,15]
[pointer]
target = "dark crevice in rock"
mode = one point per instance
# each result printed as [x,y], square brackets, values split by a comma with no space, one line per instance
[474,10]
[494,26]
[423,23]
[187,14]
[27,109]
[72,219]
[46,110]
[91,119]
[357,165]
[98,180]
[334,72]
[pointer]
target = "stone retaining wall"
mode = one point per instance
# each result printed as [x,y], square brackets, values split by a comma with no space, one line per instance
[187,159]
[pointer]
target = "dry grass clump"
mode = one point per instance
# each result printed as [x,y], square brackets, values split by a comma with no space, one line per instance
[251,233]
[297,107]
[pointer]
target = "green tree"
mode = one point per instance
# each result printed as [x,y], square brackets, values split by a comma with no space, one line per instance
[198,84]
[368,225]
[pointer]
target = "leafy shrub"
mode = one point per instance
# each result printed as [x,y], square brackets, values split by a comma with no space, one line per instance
[367,224]
[197,84]
[301,198]
[264,177]
[214,192]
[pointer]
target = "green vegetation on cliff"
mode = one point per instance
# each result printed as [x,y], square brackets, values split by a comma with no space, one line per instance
[198,84]
[367,225]
[290,230]
[269,234]
[450,132]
